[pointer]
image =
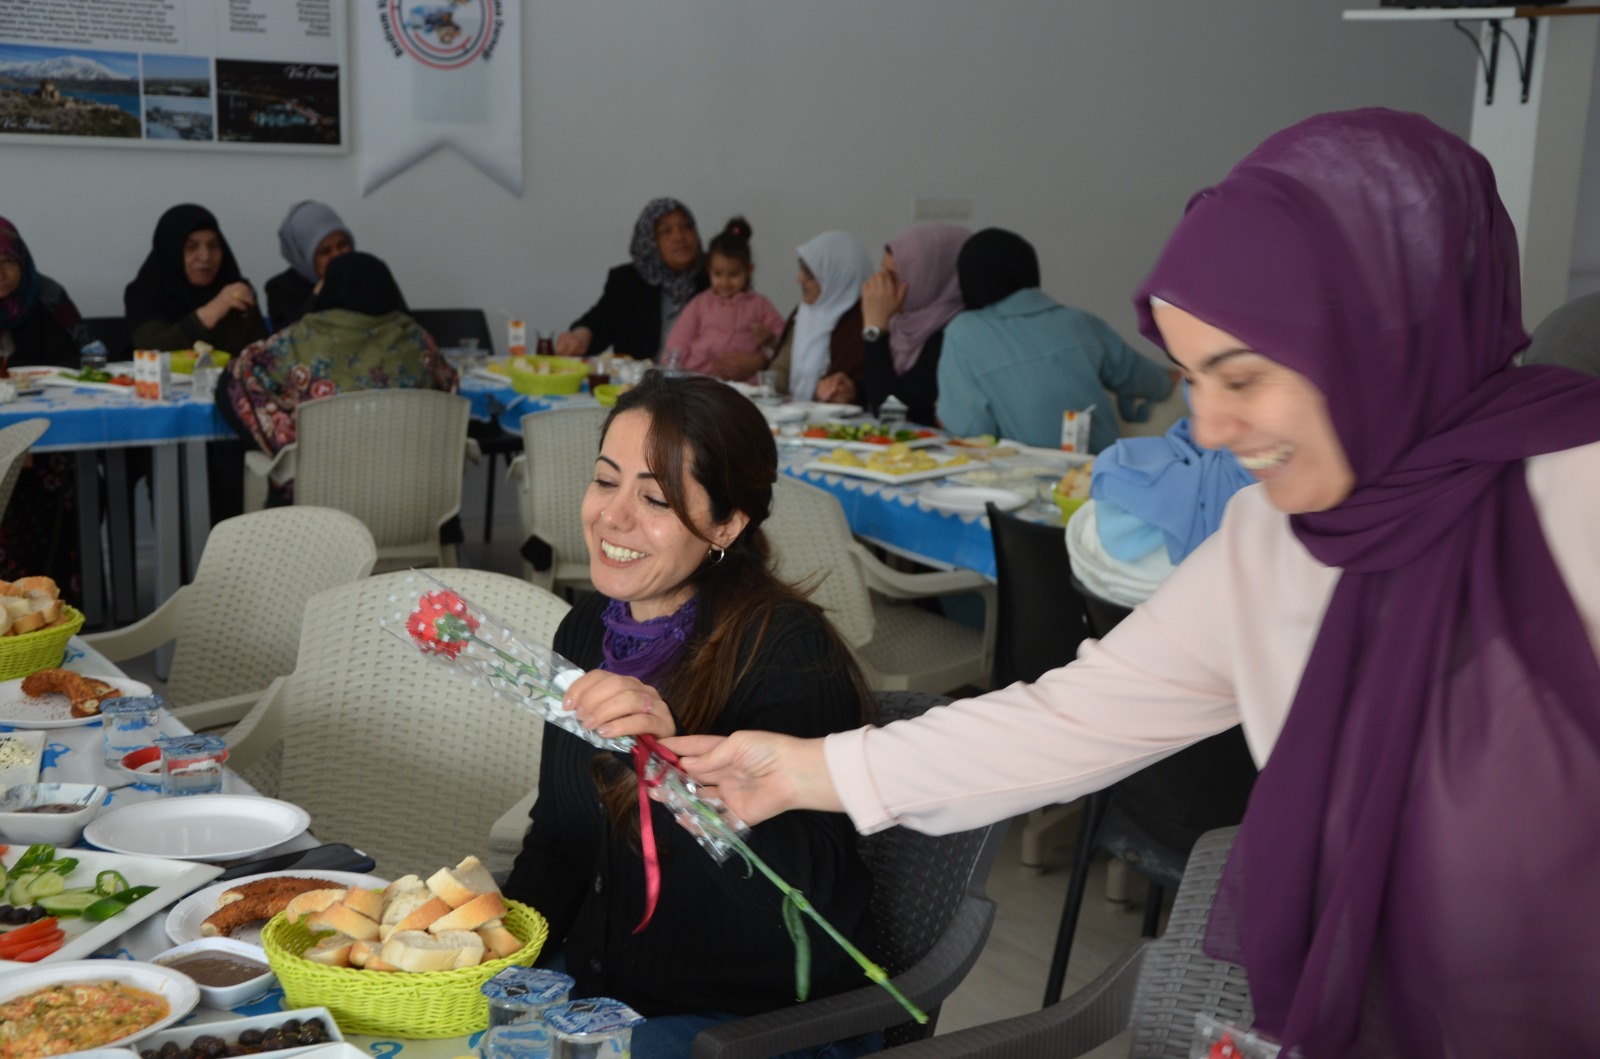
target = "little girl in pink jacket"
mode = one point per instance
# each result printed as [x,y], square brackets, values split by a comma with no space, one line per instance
[728,330]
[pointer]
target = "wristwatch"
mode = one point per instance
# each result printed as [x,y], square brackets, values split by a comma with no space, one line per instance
[871,334]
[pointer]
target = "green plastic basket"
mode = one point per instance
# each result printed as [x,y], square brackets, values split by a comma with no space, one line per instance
[40,649]
[396,1003]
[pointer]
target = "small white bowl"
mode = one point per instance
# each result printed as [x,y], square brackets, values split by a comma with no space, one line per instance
[224,996]
[229,1030]
[58,829]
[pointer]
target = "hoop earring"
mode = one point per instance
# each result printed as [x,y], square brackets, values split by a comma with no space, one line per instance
[717,555]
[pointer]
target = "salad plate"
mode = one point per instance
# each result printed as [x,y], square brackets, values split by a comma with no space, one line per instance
[887,477]
[970,499]
[172,879]
[867,437]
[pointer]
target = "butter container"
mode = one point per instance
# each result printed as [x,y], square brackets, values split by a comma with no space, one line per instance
[597,1028]
[521,994]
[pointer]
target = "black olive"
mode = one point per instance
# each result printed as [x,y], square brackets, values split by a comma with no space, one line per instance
[213,1048]
[290,1026]
[238,1049]
[5,912]
[314,1032]
[36,913]
[316,1020]
[149,1053]
[170,1050]
[250,1037]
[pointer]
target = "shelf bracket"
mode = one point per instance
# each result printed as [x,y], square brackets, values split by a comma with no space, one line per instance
[1491,61]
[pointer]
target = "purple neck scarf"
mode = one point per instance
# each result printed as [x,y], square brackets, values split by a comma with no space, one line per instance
[649,649]
[1414,873]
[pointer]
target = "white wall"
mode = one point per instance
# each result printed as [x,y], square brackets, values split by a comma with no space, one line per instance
[1586,236]
[1083,124]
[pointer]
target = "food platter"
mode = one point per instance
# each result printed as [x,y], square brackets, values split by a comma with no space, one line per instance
[178,989]
[931,438]
[210,827]
[970,499]
[20,756]
[21,710]
[171,878]
[886,477]
[183,922]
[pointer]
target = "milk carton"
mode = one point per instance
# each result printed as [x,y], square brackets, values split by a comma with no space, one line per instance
[517,338]
[1075,430]
[152,374]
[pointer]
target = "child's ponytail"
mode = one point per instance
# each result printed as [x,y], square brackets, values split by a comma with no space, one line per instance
[733,242]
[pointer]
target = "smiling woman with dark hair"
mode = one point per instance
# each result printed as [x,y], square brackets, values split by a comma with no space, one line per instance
[690,631]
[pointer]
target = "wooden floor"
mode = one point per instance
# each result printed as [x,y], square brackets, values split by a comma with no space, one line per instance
[1009,977]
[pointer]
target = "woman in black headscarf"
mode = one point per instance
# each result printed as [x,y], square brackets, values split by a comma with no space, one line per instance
[643,298]
[189,288]
[357,336]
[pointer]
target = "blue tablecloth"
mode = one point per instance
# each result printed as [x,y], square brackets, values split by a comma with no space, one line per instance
[85,418]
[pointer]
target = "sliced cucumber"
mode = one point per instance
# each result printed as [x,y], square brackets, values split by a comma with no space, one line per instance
[47,885]
[69,903]
[5,878]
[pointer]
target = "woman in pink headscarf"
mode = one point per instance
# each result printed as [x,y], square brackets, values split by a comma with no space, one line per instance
[904,307]
[1404,614]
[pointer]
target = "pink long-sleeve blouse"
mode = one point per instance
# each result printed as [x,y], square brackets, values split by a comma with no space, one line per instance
[1222,642]
[711,325]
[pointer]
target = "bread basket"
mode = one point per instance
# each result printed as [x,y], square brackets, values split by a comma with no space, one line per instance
[394,1003]
[30,652]
[540,375]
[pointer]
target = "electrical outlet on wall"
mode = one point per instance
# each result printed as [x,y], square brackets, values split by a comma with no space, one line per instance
[941,209]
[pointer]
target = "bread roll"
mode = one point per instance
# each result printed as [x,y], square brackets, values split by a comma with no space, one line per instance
[27,623]
[363,952]
[417,950]
[462,883]
[482,909]
[310,902]
[499,941]
[367,902]
[344,920]
[332,951]
[403,885]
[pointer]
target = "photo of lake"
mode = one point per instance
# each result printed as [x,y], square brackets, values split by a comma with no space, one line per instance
[54,91]
[177,98]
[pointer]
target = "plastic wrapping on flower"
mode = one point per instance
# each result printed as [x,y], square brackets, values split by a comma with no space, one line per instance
[442,624]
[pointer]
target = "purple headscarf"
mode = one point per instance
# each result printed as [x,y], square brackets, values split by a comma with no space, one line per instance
[925,260]
[1414,875]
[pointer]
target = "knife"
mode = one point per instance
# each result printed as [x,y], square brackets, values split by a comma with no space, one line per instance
[334,856]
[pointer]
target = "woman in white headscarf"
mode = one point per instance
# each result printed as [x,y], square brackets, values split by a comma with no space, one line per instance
[823,335]
[309,237]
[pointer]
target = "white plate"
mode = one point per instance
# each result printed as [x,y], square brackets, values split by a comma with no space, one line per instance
[21,710]
[19,758]
[824,410]
[965,499]
[211,827]
[183,922]
[884,476]
[171,878]
[61,378]
[179,990]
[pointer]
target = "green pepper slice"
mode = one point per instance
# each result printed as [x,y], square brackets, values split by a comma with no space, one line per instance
[109,882]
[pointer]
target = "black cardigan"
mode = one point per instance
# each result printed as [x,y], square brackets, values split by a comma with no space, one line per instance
[717,939]
[918,388]
[627,318]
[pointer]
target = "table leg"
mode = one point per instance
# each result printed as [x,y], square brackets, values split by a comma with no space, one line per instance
[89,555]
[196,503]
[119,535]
[166,509]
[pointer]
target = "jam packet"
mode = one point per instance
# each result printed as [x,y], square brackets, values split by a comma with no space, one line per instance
[1215,1039]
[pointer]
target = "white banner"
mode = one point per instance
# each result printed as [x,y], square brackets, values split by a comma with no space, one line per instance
[444,73]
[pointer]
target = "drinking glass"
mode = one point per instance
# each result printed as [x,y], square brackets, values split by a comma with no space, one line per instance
[672,360]
[129,723]
[767,385]
[191,764]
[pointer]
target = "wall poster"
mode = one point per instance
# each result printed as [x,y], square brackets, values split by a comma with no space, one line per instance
[222,74]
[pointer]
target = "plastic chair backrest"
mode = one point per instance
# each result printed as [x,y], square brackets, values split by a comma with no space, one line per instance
[392,458]
[810,541]
[237,626]
[15,440]
[395,752]
[1042,619]
[560,449]
[919,880]
[449,326]
[1104,615]
[1177,979]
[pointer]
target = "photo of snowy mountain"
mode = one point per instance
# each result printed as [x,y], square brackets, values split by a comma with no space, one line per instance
[68,92]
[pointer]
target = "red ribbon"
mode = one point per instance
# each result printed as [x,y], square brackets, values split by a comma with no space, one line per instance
[643,748]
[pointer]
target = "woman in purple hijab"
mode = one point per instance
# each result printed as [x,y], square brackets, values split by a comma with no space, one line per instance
[1404,615]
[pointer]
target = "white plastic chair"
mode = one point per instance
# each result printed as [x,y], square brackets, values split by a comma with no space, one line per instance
[387,749]
[236,628]
[901,648]
[552,475]
[15,440]
[392,458]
